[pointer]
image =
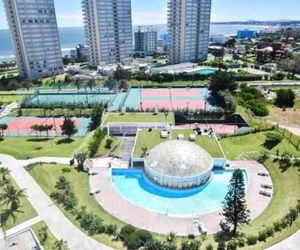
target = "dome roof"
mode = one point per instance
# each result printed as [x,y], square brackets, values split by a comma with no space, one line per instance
[179,159]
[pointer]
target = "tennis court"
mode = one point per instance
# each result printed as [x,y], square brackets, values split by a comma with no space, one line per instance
[170,99]
[21,126]
[71,98]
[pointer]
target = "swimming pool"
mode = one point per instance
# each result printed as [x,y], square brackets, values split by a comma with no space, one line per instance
[205,71]
[135,186]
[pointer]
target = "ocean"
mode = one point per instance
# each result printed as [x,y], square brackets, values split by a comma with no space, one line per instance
[70,37]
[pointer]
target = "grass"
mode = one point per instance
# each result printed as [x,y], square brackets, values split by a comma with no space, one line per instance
[9,98]
[47,175]
[32,147]
[286,187]
[242,147]
[102,150]
[297,103]
[150,139]
[286,194]
[138,117]
[49,244]
[24,213]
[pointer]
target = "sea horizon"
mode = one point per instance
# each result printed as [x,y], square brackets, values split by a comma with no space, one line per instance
[72,36]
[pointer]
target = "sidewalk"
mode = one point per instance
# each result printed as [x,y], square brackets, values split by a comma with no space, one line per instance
[23,226]
[58,224]
[291,243]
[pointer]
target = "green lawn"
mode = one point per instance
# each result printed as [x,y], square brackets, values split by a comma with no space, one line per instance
[138,117]
[47,175]
[102,150]
[31,147]
[9,98]
[286,193]
[24,213]
[150,139]
[49,244]
[241,147]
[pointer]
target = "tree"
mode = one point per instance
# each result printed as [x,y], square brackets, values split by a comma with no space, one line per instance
[234,205]
[218,53]
[272,139]
[43,234]
[12,197]
[285,98]
[4,172]
[80,158]
[96,116]
[68,127]
[27,84]
[3,127]
[221,80]
[60,245]
[120,74]
[290,65]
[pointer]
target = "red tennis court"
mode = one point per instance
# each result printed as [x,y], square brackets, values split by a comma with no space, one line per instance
[173,105]
[217,128]
[25,124]
[148,93]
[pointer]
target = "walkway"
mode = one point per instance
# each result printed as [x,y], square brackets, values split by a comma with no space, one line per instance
[291,243]
[58,224]
[8,109]
[25,225]
[164,224]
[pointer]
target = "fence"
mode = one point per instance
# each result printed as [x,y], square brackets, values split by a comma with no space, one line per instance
[291,137]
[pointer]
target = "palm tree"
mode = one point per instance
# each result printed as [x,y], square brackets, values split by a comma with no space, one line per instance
[4,180]
[60,244]
[12,197]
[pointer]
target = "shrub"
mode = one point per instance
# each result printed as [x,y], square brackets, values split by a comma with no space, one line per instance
[154,245]
[111,229]
[272,139]
[270,231]
[209,247]
[221,246]
[126,231]
[108,143]
[63,184]
[251,240]
[143,235]
[190,245]
[66,170]
[232,245]
[70,201]
[92,223]
[241,241]
[262,235]
[277,226]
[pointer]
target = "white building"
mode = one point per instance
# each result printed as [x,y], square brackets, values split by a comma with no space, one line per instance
[218,39]
[188,28]
[240,49]
[35,39]
[145,40]
[108,31]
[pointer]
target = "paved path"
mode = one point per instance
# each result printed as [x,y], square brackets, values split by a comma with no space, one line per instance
[58,224]
[291,243]
[25,225]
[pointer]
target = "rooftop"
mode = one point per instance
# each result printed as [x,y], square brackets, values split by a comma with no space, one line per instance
[179,159]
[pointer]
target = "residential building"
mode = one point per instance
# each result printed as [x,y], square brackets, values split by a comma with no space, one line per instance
[240,49]
[218,39]
[145,40]
[246,34]
[80,52]
[35,38]
[188,28]
[108,30]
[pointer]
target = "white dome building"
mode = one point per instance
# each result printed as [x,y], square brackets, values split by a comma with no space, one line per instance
[178,164]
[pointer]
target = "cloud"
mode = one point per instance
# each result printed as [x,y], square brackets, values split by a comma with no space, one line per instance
[70,20]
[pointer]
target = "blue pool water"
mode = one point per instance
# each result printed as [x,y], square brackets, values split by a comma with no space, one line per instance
[205,71]
[135,186]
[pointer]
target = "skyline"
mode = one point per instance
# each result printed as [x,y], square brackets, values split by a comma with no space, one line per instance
[144,13]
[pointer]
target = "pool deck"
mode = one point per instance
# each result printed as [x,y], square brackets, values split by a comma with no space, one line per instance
[113,202]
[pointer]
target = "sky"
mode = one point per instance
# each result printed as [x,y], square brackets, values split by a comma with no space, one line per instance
[155,11]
